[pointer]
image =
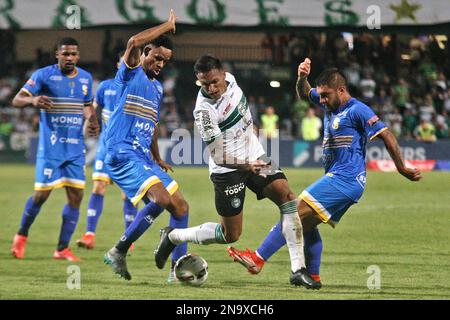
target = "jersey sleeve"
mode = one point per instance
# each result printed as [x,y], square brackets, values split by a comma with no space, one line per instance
[100,95]
[315,98]
[206,124]
[34,85]
[367,121]
[125,73]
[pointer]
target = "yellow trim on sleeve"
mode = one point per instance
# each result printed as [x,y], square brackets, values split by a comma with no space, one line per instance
[27,92]
[131,67]
[376,134]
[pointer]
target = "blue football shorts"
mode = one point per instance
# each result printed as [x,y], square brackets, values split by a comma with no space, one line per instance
[52,174]
[329,200]
[135,176]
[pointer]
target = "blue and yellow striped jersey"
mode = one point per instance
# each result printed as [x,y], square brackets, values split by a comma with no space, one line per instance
[133,121]
[106,96]
[346,131]
[61,127]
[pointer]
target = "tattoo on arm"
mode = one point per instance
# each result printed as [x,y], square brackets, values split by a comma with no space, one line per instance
[393,148]
[303,87]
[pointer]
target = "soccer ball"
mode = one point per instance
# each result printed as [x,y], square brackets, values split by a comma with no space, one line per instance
[191,269]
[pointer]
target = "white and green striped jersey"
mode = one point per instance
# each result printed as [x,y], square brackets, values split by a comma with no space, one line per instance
[229,117]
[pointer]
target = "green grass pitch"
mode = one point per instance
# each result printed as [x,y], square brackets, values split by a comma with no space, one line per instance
[399,226]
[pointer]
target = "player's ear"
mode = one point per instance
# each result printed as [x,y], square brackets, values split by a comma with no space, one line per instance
[147,49]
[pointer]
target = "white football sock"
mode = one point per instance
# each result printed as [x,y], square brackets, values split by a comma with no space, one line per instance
[207,233]
[292,230]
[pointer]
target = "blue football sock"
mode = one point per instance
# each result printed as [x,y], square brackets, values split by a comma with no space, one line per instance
[29,214]
[312,247]
[69,222]
[95,208]
[141,223]
[313,250]
[129,212]
[179,223]
[272,243]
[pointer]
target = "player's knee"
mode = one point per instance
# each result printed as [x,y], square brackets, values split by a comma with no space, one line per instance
[163,199]
[232,236]
[289,195]
[182,208]
[99,188]
[75,197]
[39,197]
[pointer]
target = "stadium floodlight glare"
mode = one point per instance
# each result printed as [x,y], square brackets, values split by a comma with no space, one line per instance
[198,84]
[275,84]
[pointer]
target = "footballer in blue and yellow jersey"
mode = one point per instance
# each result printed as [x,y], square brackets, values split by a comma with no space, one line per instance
[130,133]
[61,126]
[346,131]
[105,98]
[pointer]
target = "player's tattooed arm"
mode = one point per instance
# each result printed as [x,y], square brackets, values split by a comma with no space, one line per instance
[135,43]
[302,86]
[393,148]
[22,99]
[92,126]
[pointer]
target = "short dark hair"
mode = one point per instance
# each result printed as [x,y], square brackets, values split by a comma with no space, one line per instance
[331,77]
[120,54]
[67,42]
[162,41]
[206,63]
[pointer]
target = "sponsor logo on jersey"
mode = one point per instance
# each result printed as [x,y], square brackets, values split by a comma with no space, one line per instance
[110,92]
[203,120]
[84,80]
[242,106]
[361,178]
[85,89]
[53,138]
[336,123]
[144,126]
[67,120]
[69,140]
[227,108]
[55,78]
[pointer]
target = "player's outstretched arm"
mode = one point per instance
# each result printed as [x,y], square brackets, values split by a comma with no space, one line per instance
[22,100]
[136,42]
[393,148]
[303,87]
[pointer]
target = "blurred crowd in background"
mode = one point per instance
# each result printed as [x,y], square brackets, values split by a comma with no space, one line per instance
[406,82]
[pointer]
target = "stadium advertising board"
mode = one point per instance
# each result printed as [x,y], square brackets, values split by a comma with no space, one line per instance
[191,151]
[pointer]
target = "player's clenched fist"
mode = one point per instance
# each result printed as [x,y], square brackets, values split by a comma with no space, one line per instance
[172,19]
[304,68]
